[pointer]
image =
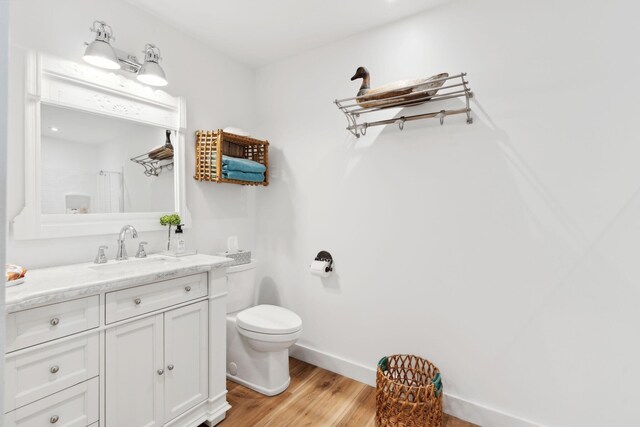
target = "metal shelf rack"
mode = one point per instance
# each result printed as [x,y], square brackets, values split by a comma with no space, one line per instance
[153,167]
[452,87]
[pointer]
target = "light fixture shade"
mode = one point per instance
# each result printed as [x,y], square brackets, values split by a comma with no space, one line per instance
[151,73]
[101,54]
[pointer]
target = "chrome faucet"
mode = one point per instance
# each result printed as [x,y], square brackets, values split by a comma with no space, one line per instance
[122,249]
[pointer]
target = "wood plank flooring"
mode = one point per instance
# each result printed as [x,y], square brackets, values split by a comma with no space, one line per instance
[315,398]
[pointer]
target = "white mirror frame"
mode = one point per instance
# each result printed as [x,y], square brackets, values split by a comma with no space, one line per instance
[64,83]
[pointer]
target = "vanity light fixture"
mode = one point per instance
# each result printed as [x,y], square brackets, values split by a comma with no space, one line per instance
[101,54]
[53,129]
[151,72]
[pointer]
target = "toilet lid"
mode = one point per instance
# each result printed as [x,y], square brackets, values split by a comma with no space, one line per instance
[269,319]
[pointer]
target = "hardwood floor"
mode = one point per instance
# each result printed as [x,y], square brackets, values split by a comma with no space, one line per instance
[315,398]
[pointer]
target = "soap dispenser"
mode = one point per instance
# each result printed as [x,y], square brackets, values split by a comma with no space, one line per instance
[178,244]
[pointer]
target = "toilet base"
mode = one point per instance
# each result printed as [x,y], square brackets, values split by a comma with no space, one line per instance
[266,372]
[262,390]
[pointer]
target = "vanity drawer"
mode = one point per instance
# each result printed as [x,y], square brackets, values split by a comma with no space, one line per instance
[133,302]
[76,406]
[37,325]
[37,374]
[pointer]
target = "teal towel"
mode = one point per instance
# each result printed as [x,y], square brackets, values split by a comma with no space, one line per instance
[383,363]
[437,383]
[241,165]
[243,176]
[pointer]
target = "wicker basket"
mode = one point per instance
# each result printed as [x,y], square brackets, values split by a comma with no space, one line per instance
[408,392]
[210,145]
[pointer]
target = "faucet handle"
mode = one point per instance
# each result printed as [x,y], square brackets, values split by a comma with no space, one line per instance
[101,258]
[141,252]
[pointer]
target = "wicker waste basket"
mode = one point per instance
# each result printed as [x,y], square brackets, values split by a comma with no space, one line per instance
[408,392]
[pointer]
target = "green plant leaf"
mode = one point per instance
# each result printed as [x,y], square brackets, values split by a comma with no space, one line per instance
[172,219]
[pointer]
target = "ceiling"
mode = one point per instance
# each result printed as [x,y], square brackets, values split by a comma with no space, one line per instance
[85,128]
[258,32]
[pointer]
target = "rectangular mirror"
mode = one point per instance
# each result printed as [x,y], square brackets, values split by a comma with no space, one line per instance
[88,134]
[87,166]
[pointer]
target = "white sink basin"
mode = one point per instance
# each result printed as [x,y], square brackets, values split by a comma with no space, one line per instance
[134,264]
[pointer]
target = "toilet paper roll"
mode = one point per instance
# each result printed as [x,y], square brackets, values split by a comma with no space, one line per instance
[320,268]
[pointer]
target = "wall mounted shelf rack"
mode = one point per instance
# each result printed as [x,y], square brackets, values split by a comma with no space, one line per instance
[452,87]
[212,145]
[153,167]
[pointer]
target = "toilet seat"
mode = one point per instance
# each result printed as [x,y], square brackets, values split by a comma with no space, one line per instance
[270,338]
[269,319]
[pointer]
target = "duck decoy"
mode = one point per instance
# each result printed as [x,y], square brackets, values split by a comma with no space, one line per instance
[404,89]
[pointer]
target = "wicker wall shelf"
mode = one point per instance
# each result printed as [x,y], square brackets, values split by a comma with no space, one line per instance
[211,145]
[452,87]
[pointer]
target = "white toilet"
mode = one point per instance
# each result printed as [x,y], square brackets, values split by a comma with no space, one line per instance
[258,337]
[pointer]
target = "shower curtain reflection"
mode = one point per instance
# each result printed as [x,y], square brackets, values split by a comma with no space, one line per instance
[110,192]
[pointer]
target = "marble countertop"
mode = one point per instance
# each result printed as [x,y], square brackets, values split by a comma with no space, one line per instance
[56,284]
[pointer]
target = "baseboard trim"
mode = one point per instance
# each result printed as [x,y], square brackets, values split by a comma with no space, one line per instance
[482,415]
[334,363]
[456,406]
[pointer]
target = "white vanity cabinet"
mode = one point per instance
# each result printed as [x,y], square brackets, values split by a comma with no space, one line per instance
[75,406]
[151,353]
[156,368]
[30,327]
[133,388]
[185,353]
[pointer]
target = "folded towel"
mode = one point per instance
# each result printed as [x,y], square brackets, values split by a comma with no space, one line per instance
[241,165]
[243,176]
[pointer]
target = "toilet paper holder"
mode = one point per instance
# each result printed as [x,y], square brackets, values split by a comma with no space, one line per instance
[326,257]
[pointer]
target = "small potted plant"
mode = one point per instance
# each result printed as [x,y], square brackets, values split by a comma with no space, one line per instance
[170,220]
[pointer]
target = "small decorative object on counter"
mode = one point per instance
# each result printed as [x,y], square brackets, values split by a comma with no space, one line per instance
[408,392]
[170,220]
[14,274]
[178,245]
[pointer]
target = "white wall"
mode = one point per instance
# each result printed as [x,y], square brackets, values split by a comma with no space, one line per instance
[505,251]
[219,93]
[67,167]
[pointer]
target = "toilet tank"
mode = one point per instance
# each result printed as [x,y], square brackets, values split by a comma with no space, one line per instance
[241,281]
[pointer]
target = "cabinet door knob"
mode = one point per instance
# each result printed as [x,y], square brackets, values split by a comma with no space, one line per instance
[137,301]
[54,321]
[188,288]
[160,371]
[54,369]
[170,367]
[54,419]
